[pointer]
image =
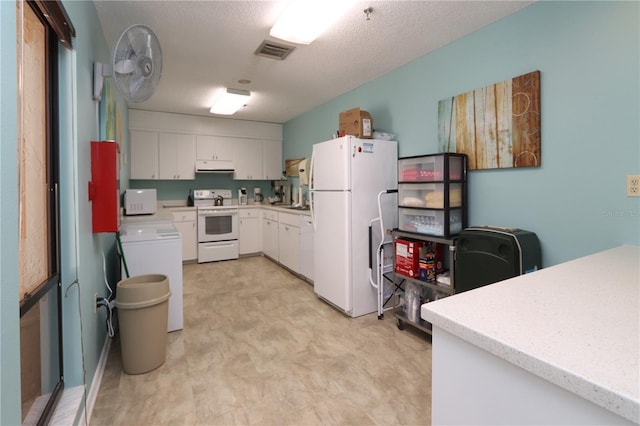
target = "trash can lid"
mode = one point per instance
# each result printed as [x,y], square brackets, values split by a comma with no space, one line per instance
[142,290]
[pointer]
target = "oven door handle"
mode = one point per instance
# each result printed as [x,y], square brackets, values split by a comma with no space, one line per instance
[217,244]
[217,213]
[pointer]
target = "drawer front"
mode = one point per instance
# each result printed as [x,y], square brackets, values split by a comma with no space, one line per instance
[249,213]
[289,219]
[430,168]
[270,214]
[429,195]
[184,216]
[429,222]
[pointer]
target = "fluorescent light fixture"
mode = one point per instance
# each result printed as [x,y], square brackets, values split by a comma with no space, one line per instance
[229,101]
[304,20]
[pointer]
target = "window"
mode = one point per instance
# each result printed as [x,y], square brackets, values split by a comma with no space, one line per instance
[41,27]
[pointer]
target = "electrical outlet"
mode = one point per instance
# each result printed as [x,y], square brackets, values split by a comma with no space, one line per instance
[633,185]
[95,303]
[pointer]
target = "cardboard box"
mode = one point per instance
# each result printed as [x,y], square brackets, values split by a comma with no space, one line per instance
[433,251]
[408,257]
[427,269]
[356,122]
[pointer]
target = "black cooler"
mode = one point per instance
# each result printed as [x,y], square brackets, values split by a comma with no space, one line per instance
[485,255]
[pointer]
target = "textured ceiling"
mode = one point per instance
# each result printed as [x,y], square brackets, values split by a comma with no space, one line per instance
[208,45]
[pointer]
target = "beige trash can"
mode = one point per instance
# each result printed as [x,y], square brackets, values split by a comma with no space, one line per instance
[143,313]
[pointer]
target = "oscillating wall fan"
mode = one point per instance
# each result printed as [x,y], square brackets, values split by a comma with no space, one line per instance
[136,65]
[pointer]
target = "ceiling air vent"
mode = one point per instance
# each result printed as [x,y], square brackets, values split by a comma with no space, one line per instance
[272,50]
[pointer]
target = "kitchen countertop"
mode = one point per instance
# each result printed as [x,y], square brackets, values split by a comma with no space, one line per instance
[279,208]
[575,325]
[166,207]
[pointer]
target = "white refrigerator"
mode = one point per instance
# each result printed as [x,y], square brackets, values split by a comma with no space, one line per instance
[347,174]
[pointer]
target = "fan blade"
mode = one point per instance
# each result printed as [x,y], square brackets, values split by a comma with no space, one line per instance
[136,84]
[126,66]
[136,42]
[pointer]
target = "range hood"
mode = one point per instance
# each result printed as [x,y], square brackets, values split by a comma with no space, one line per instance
[214,166]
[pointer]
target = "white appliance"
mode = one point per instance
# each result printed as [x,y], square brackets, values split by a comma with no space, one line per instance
[155,248]
[242,196]
[140,201]
[217,225]
[346,176]
[303,171]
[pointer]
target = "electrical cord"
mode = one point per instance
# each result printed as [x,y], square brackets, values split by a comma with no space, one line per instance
[101,301]
[108,302]
[104,274]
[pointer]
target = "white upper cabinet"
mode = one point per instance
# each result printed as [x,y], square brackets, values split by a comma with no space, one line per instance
[217,148]
[161,146]
[272,159]
[177,156]
[144,154]
[247,159]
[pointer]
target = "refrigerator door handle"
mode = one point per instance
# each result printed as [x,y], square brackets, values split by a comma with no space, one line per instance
[313,217]
[311,193]
[311,173]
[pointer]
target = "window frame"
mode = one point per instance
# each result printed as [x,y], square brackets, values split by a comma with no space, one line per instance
[58,30]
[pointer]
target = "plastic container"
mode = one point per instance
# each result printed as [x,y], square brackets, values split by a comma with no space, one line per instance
[143,314]
[429,195]
[430,222]
[431,168]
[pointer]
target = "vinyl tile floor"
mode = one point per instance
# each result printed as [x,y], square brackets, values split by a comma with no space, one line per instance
[260,348]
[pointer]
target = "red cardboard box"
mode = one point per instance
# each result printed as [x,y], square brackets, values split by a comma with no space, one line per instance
[408,257]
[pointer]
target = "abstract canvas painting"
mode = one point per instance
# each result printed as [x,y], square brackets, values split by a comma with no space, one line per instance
[497,126]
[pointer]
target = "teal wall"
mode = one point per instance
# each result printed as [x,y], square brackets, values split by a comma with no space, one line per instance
[179,189]
[84,332]
[589,56]
[82,251]
[9,312]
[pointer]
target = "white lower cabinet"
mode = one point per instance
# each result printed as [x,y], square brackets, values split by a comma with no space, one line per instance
[249,232]
[306,247]
[185,223]
[270,234]
[289,240]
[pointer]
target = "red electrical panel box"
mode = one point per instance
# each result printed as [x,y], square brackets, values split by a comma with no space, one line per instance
[104,193]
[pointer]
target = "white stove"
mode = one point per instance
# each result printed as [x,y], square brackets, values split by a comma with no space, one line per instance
[212,197]
[217,225]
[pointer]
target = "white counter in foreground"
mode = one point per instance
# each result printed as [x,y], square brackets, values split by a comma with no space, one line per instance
[557,346]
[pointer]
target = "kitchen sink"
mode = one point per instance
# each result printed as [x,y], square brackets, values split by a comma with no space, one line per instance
[298,208]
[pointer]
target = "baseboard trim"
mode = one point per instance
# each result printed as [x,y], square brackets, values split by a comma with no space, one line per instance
[95,384]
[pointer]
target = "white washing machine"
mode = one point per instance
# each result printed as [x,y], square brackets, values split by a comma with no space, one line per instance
[156,248]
